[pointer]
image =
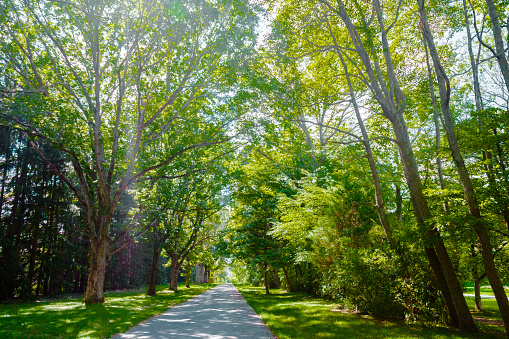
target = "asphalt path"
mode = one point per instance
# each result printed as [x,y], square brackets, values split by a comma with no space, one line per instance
[221,312]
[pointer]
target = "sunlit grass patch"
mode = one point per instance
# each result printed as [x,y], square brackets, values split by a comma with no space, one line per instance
[468,288]
[73,319]
[297,315]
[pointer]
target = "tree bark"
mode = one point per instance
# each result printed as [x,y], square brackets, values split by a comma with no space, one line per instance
[97,262]
[477,287]
[435,249]
[174,274]
[154,269]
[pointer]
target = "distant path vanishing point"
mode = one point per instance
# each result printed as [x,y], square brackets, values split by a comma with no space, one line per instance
[221,312]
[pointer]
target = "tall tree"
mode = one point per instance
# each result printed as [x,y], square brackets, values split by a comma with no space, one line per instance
[124,88]
[361,32]
[466,182]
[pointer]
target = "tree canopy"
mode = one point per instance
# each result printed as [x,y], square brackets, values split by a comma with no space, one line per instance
[351,149]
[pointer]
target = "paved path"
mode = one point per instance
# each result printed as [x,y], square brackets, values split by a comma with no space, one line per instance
[221,312]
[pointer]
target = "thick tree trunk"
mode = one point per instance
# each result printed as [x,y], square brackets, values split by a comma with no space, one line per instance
[443,270]
[174,274]
[199,274]
[153,270]
[442,285]
[470,197]
[97,262]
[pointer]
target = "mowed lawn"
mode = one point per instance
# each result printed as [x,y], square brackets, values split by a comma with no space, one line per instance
[297,315]
[485,289]
[73,319]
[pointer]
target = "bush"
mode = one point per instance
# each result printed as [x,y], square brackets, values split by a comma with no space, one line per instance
[378,284]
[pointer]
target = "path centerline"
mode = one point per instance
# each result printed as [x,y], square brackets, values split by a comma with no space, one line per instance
[221,312]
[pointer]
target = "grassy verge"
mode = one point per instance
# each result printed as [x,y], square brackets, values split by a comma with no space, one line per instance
[296,315]
[485,290]
[73,319]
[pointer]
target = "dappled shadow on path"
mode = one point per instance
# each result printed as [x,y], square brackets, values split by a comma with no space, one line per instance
[221,312]
[74,319]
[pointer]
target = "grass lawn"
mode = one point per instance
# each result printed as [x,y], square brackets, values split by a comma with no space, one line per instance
[297,315]
[73,319]
[485,289]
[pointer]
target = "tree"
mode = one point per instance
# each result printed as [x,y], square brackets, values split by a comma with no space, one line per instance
[466,182]
[363,40]
[123,88]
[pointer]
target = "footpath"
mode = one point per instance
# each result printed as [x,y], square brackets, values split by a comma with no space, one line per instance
[221,312]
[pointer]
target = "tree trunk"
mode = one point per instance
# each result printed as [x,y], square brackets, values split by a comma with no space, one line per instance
[154,270]
[199,274]
[477,288]
[288,280]
[174,274]
[470,197]
[2,190]
[188,275]
[98,259]
[443,270]
[442,285]
[266,279]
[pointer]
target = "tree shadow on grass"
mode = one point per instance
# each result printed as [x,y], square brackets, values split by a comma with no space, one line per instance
[74,319]
[292,315]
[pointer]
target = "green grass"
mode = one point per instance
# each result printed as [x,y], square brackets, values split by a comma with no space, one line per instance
[296,315]
[490,314]
[73,319]
[485,290]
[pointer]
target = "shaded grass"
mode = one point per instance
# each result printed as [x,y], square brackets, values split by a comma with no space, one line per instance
[297,315]
[490,314]
[73,319]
